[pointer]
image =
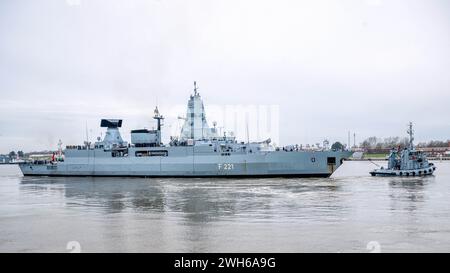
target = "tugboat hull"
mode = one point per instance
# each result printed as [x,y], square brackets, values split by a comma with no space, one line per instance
[416,172]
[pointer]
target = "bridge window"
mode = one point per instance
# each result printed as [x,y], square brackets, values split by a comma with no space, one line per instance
[119,153]
[152,153]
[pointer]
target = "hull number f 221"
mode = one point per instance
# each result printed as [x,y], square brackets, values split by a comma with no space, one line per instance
[225,166]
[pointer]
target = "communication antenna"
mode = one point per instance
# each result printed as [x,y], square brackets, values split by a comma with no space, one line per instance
[411,135]
[158,117]
[87,135]
[215,129]
[348,140]
[60,148]
[180,127]
[246,125]
[195,88]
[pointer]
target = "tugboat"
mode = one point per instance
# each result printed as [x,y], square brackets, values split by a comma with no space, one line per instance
[408,162]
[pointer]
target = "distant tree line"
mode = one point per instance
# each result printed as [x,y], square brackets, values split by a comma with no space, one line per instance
[433,144]
[13,154]
[394,142]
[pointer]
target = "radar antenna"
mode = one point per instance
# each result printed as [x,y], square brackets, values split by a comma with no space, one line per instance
[195,89]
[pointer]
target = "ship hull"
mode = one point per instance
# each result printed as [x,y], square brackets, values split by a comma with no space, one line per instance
[270,164]
[311,175]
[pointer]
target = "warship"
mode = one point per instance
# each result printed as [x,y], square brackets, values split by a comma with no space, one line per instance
[408,162]
[199,151]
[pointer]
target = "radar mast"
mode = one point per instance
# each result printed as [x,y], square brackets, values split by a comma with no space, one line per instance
[411,135]
[195,89]
[158,117]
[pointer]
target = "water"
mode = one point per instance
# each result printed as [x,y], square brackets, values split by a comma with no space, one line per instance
[347,213]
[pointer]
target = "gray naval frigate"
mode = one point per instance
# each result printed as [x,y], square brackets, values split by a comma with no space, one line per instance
[199,151]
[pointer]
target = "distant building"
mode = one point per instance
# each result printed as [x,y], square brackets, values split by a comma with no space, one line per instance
[436,151]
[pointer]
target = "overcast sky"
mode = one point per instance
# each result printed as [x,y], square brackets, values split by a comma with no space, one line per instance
[368,67]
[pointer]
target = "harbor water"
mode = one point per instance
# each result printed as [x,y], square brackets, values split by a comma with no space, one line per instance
[349,212]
